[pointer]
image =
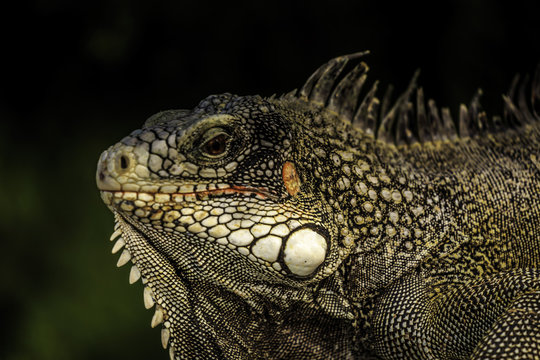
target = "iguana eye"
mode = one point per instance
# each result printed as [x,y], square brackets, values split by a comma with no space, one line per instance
[216,145]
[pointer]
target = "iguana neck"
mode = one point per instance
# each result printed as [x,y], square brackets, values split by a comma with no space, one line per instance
[374,199]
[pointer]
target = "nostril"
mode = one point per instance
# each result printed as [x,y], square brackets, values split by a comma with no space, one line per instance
[101,176]
[123,163]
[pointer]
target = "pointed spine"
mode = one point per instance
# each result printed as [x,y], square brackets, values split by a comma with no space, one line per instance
[119,244]
[158,317]
[344,99]
[463,121]
[134,274]
[115,234]
[448,125]
[399,112]
[404,134]
[148,297]
[366,115]
[319,85]
[535,93]
[434,121]
[323,88]
[124,258]
[421,117]
[165,335]
[512,115]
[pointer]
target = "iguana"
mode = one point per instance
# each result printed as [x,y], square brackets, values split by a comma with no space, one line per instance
[328,224]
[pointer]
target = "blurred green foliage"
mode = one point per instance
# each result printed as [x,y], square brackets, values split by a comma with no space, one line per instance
[77,76]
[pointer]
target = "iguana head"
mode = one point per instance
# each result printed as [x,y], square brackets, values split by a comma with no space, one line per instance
[218,197]
[220,185]
[240,211]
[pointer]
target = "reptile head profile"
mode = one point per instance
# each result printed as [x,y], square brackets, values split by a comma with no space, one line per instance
[212,202]
[216,186]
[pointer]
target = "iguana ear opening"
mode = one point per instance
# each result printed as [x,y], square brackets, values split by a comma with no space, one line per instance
[291,178]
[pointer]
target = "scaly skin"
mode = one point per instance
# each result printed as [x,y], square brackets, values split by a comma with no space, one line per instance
[316,226]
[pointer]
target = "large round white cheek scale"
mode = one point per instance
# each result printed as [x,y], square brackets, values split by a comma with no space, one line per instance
[304,251]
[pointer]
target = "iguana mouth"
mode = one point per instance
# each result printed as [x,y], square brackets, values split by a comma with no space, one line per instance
[167,194]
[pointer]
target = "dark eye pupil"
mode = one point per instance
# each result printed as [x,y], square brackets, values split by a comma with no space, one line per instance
[216,146]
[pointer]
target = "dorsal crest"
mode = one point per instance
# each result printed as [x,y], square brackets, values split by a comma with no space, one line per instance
[409,118]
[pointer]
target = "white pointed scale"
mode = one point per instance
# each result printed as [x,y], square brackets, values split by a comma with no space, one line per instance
[115,234]
[118,245]
[134,274]
[148,297]
[124,258]
[165,334]
[171,352]
[157,318]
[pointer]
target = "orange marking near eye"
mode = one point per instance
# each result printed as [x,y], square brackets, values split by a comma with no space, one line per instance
[290,178]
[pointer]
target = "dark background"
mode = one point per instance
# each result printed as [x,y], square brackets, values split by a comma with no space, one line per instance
[79,75]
